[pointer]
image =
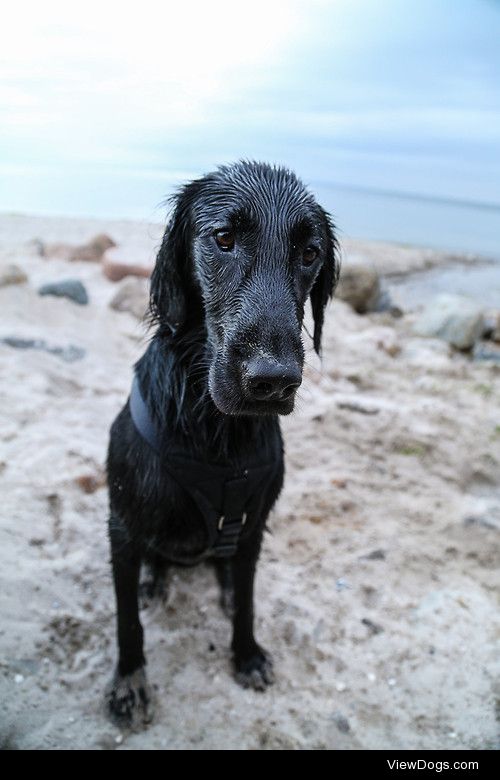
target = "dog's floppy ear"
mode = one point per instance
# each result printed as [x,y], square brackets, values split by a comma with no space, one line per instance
[327,278]
[170,277]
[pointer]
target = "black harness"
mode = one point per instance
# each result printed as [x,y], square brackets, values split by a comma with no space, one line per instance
[221,492]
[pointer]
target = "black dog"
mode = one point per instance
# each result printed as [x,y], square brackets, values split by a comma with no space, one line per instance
[195,459]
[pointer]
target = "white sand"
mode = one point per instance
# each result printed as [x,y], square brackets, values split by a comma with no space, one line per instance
[394,447]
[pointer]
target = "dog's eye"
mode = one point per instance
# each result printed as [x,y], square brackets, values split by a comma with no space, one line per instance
[224,239]
[309,255]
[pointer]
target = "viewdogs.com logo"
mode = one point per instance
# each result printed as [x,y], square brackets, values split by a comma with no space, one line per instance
[437,766]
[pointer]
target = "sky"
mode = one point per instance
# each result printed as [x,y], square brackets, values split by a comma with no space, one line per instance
[105,106]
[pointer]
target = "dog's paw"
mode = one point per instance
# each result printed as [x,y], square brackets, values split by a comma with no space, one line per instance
[129,700]
[152,589]
[255,672]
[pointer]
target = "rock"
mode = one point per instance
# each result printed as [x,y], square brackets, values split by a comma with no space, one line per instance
[373,628]
[384,303]
[359,286]
[341,722]
[389,344]
[12,274]
[491,328]
[453,318]
[92,252]
[115,272]
[357,405]
[486,350]
[69,353]
[17,343]
[121,262]
[132,296]
[89,483]
[375,555]
[68,288]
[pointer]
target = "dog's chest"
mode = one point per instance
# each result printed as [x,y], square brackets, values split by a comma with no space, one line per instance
[214,508]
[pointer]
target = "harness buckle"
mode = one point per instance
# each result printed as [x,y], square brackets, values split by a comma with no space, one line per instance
[222,518]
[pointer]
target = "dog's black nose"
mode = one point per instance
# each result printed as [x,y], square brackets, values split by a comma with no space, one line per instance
[266,380]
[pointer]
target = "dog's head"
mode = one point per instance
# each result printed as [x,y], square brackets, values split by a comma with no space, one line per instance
[245,247]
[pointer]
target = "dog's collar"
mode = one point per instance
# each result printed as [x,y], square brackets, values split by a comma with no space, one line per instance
[224,516]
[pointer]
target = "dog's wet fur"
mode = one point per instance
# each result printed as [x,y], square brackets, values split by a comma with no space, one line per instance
[245,248]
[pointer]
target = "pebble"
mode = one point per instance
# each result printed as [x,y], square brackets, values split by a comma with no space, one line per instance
[340,687]
[375,555]
[12,274]
[358,405]
[89,483]
[67,288]
[93,251]
[374,628]
[69,354]
[341,722]
[132,296]
[341,585]
[18,343]
[19,678]
[132,255]
[115,271]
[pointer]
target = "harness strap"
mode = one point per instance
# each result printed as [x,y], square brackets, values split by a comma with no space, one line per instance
[141,417]
[223,527]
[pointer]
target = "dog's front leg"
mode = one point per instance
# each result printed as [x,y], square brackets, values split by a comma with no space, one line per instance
[128,696]
[253,665]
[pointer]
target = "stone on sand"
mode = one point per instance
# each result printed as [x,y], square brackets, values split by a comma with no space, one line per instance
[90,482]
[132,296]
[12,274]
[93,251]
[69,353]
[452,318]
[66,288]
[359,286]
[492,326]
[122,261]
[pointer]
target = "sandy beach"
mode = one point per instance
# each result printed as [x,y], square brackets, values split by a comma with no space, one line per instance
[378,589]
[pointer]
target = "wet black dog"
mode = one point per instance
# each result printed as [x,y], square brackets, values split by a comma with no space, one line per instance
[195,460]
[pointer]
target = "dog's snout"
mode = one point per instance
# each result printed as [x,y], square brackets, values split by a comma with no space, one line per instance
[266,380]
